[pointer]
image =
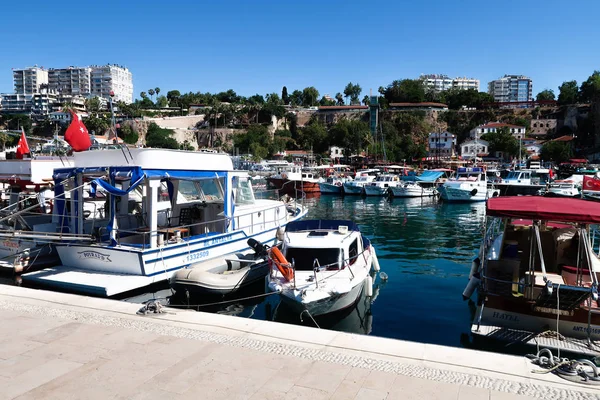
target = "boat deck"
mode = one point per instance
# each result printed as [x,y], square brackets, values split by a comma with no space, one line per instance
[87,282]
[572,345]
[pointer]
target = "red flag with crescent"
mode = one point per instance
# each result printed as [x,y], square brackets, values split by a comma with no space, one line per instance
[591,183]
[77,134]
[22,147]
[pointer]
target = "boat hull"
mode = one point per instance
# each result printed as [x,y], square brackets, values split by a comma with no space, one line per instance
[412,191]
[293,187]
[328,305]
[328,188]
[466,194]
[353,189]
[372,190]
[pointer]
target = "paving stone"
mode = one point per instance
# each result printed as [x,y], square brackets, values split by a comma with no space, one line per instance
[12,347]
[324,376]
[473,393]
[379,380]
[370,394]
[306,393]
[409,388]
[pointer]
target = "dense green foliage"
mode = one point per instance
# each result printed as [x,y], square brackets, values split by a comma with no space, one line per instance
[544,95]
[502,140]
[568,93]
[556,151]
[158,137]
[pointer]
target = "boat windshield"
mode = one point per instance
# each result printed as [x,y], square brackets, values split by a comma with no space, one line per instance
[304,258]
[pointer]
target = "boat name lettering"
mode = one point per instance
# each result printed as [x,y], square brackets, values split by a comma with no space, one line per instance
[595,331]
[197,255]
[95,255]
[217,240]
[505,317]
[9,243]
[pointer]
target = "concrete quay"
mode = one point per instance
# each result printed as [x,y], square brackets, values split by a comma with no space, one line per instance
[62,346]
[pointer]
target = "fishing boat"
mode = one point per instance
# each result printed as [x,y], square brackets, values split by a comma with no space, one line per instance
[524,181]
[362,178]
[537,274]
[570,187]
[295,181]
[470,184]
[165,210]
[381,185]
[333,184]
[322,267]
[424,185]
[223,276]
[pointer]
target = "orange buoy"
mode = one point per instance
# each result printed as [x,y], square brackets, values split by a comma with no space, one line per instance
[282,264]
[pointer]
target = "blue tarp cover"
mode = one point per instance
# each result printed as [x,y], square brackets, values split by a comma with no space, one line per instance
[429,176]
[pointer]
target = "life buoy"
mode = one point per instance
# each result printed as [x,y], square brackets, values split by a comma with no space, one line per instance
[281,263]
[284,175]
[338,184]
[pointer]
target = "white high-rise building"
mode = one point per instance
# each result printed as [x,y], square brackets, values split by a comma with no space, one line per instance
[439,83]
[115,78]
[511,88]
[71,81]
[28,80]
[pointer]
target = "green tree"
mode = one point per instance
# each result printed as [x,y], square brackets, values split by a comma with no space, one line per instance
[352,91]
[186,145]
[143,95]
[339,98]
[296,98]
[406,90]
[128,134]
[44,128]
[326,102]
[93,105]
[350,134]
[257,135]
[366,100]
[161,101]
[590,89]
[17,121]
[157,91]
[314,136]
[556,151]
[173,97]
[457,98]
[547,94]
[284,96]
[310,96]
[568,93]
[97,125]
[151,93]
[158,137]
[502,140]
[4,138]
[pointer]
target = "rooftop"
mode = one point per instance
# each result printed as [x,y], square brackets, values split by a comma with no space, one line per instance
[351,107]
[500,125]
[422,104]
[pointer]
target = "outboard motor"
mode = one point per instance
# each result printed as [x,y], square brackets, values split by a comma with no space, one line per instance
[260,249]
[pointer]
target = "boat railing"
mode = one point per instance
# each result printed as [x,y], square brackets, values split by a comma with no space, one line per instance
[344,262]
[145,234]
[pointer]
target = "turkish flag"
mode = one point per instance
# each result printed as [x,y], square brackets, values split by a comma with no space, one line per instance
[22,147]
[77,134]
[591,183]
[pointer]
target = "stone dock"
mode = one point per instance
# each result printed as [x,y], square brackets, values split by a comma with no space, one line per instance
[62,346]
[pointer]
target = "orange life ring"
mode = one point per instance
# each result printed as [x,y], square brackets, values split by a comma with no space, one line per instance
[281,263]
[284,175]
[338,183]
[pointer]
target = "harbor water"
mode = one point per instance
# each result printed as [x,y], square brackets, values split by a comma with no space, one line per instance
[423,245]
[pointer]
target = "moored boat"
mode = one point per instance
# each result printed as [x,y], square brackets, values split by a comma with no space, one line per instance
[158,217]
[222,276]
[323,266]
[537,274]
[362,178]
[470,184]
[381,185]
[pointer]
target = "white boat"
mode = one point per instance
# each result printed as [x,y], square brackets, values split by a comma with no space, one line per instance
[329,263]
[570,187]
[381,185]
[192,207]
[470,184]
[413,189]
[222,276]
[537,274]
[362,178]
[333,185]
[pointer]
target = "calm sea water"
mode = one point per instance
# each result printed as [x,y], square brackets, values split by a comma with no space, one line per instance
[424,246]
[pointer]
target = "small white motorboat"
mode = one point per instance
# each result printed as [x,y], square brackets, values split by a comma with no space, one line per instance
[381,185]
[413,189]
[323,266]
[223,276]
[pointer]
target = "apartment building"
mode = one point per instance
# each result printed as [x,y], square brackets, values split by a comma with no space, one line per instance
[439,83]
[511,88]
[72,81]
[112,78]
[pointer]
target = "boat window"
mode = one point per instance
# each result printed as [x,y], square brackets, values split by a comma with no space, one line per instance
[189,191]
[353,252]
[212,189]
[243,191]
[304,258]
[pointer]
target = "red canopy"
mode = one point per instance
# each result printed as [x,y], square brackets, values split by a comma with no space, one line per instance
[544,208]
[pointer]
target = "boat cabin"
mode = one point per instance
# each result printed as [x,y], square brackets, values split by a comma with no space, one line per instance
[320,244]
[470,174]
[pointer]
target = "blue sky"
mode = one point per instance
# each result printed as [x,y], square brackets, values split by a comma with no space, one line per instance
[258,46]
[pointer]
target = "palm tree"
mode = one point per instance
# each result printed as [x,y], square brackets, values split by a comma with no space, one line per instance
[151,93]
[157,91]
[143,95]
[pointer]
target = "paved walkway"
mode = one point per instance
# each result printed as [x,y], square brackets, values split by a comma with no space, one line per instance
[59,346]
